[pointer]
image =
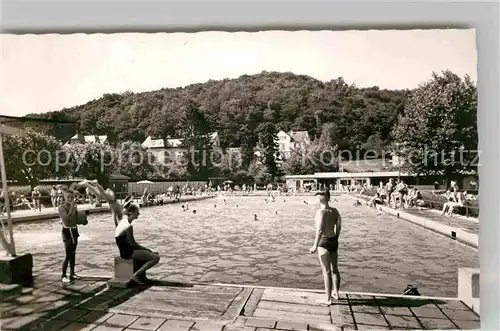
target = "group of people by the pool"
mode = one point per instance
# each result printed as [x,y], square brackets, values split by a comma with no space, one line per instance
[327,221]
[400,195]
[396,193]
[123,216]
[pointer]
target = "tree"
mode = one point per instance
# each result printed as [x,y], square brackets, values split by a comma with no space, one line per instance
[267,139]
[299,163]
[298,102]
[196,139]
[249,141]
[437,133]
[374,146]
[32,157]
[320,156]
[176,170]
[90,161]
[259,173]
[135,161]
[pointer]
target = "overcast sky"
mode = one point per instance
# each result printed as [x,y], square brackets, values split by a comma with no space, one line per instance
[42,73]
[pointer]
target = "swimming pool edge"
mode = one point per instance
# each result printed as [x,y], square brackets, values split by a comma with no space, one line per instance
[459,234]
[93,210]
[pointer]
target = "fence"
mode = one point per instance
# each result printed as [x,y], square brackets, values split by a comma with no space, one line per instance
[160,187]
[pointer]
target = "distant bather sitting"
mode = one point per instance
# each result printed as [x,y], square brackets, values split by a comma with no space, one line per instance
[376,200]
[456,200]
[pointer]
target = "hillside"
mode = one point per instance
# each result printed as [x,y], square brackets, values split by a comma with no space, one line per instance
[236,106]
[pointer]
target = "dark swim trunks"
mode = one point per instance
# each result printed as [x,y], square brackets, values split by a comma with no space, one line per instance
[331,244]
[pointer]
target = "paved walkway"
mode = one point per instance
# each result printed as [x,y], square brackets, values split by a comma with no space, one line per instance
[89,305]
[469,224]
[456,221]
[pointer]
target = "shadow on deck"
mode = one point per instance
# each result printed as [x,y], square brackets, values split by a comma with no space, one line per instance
[164,305]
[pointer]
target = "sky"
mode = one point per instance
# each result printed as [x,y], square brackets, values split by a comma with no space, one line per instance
[41,73]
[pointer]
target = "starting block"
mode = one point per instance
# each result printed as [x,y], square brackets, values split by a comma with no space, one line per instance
[124,270]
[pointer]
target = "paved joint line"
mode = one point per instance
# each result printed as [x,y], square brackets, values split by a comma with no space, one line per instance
[352,311]
[416,316]
[382,312]
[242,310]
[448,317]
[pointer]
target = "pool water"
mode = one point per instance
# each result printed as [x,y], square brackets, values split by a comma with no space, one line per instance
[223,243]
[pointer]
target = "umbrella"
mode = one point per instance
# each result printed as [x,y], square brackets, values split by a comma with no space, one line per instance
[145,182]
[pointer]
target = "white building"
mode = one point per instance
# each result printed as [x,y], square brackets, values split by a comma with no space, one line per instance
[292,140]
[81,139]
[169,149]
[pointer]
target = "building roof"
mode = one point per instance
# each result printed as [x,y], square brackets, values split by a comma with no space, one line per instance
[95,139]
[169,142]
[117,176]
[88,139]
[174,142]
[299,136]
[323,175]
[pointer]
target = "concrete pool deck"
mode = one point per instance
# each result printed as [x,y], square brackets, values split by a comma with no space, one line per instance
[20,216]
[89,305]
[462,229]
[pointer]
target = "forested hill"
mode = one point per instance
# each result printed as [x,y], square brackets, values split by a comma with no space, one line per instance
[236,107]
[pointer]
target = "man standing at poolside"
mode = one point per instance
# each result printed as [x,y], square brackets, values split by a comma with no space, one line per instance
[328,224]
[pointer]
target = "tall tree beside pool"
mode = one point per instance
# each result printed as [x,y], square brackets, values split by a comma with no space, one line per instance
[437,132]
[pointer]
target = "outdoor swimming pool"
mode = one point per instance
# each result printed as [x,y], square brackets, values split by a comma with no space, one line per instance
[223,243]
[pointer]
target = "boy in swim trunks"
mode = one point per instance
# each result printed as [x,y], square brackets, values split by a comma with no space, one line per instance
[328,224]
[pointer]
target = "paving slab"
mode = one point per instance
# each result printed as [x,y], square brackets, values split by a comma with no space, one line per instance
[176,325]
[161,307]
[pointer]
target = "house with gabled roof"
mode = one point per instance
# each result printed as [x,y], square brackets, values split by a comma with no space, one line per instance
[292,140]
[168,149]
[85,139]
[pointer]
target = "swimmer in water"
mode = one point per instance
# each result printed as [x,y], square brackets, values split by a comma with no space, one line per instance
[254,217]
[194,211]
[305,202]
[215,205]
[357,203]
[276,212]
[236,206]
